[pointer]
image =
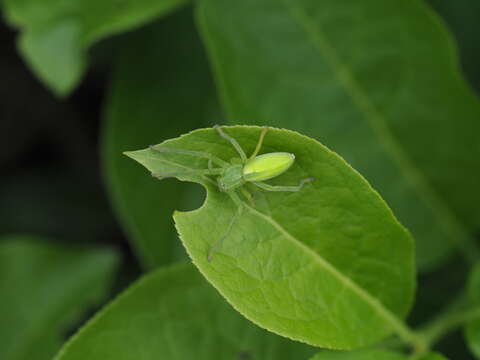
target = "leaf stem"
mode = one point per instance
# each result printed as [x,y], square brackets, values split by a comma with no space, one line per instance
[411,338]
[447,322]
[455,315]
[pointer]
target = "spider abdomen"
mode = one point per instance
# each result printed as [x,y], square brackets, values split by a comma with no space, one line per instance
[267,166]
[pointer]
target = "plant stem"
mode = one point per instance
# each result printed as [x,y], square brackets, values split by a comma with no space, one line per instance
[448,322]
[455,315]
[412,338]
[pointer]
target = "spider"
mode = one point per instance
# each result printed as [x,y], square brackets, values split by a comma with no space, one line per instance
[231,176]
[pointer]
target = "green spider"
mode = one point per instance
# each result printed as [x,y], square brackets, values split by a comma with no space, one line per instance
[231,176]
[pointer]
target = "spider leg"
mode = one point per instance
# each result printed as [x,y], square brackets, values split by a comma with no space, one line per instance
[192,172]
[234,142]
[260,142]
[210,165]
[202,173]
[233,195]
[248,196]
[282,188]
[200,154]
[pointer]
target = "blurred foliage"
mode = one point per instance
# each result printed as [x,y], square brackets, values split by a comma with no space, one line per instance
[462,19]
[73,26]
[45,287]
[154,309]
[472,330]
[371,355]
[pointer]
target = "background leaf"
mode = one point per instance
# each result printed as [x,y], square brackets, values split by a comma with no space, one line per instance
[359,355]
[153,98]
[472,329]
[73,26]
[370,355]
[432,356]
[174,314]
[45,287]
[462,18]
[317,265]
[359,76]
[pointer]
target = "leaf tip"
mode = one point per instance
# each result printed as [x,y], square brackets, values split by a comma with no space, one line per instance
[128,153]
[132,155]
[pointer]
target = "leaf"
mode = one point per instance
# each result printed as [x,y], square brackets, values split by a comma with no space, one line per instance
[329,265]
[150,102]
[173,313]
[377,81]
[45,287]
[462,18]
[56,34]
[472,328]
[359,355]
[370,355]
[433,356]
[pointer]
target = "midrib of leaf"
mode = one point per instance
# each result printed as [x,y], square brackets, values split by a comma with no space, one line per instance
[378,123]
[189,171]
[400,328]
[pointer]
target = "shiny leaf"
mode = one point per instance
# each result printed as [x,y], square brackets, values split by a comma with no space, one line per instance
[328,265]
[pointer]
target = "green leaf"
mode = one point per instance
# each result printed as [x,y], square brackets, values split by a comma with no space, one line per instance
[462,18]
[377,81]
[433,356]
[56,34]
[328,265]
[174,314]
[472,328]
[45,287]
[370,355]
[359,355]
[150,102]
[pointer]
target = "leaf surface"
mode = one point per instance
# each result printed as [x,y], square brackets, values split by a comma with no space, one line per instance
[359,355]
[56,34]
[328,265]
[370,355]
[152,99]
[45,287]
[377,81]
[173,313]
[462,19]
[433,356]
[472,328]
